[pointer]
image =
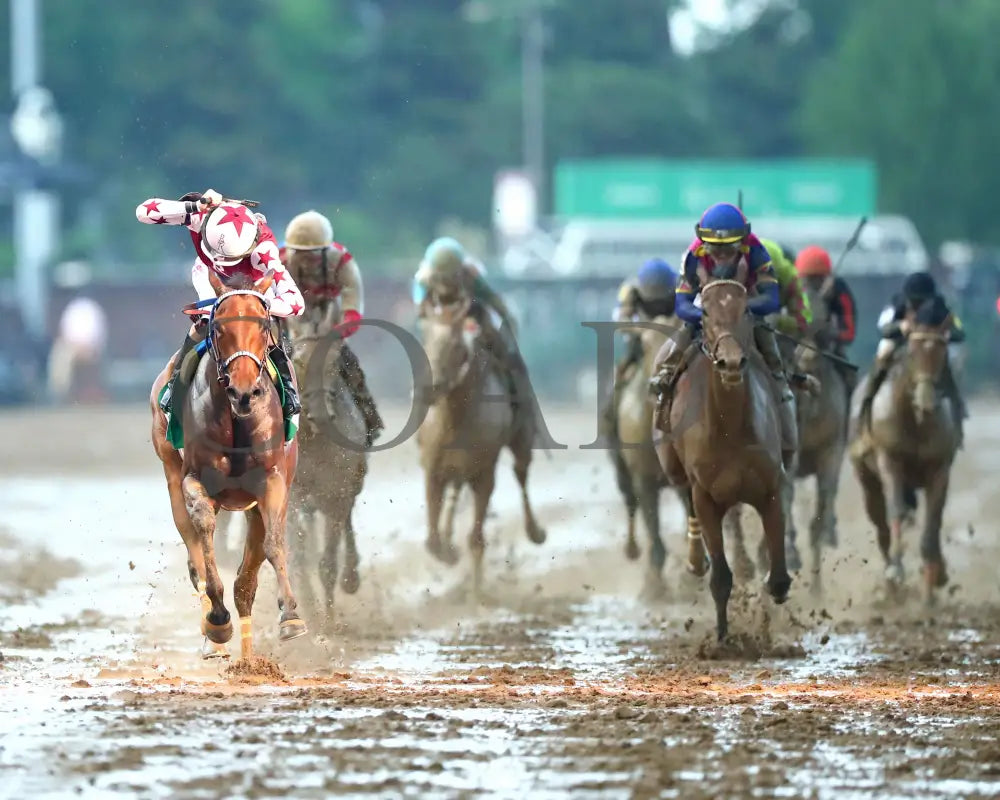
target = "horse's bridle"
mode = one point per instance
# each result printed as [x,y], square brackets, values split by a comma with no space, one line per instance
[463,371]
[927,336]
[725,334]
[222,365]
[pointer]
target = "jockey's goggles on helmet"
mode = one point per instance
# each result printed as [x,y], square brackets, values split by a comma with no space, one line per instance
[723,251]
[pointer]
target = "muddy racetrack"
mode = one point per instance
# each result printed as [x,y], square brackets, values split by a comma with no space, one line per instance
[564,681]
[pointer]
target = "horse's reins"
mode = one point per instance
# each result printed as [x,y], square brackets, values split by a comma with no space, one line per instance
[725,334]
[466,365]
[222,365]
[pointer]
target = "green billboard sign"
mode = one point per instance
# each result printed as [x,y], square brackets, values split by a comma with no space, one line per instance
[657,189]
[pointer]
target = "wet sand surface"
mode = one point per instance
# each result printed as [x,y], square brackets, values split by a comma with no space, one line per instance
[566,680]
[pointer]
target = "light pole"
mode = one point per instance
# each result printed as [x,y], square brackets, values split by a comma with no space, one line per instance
[533,95]
[532,34]
[37,129]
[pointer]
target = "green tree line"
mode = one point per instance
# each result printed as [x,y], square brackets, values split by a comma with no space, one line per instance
[393,115]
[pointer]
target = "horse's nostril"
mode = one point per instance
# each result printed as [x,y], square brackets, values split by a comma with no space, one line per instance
[233,394]
[743,362]
[257,392]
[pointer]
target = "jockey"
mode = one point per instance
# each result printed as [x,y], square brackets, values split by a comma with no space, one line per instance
[648,295]
[325,269]
[895,324]
[815,269]
[798,314]
[447,271]
[723,239]
[230,240]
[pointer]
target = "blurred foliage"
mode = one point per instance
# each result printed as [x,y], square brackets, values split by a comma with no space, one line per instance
[395,115]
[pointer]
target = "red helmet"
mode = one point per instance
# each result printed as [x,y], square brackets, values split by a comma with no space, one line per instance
[813,260]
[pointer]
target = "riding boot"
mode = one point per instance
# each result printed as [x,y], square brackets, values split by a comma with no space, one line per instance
[609,416]
[670,363]
[959,410]
[290,406]
[189,344]
[354,376]
[768,347]
[880,369]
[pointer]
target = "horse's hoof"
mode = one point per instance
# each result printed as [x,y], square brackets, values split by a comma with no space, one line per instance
[350,581]
[654,589]
[292,629]
[210,649]
[220,634]
[793,561]
[632,551]
[447,555]
[778,589]
[935,575]
[699,572]
[894,573]
[536,533]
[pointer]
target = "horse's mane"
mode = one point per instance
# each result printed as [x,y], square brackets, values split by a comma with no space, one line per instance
[238,282]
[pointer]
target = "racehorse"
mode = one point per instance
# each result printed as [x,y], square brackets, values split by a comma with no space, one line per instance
[234,457]
[725,445]
[822,422]
[640,476]
[911,445]
[332,461]
[463,432]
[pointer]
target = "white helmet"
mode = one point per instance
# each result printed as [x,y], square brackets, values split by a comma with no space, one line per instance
[229,234]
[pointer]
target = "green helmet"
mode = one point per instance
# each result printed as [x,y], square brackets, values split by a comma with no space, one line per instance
[445,258]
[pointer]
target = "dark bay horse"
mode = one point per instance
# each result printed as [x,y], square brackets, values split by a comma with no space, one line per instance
[469,421]
[911,445]
[725,445]
[234,458]
[822,421]
[332,462]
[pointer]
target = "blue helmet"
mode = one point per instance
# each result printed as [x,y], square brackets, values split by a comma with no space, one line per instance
[657,280]
[722,223]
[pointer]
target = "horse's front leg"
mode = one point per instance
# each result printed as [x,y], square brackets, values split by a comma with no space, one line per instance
[245,587]
[892,478]
[201,509]
[273,507]
[936,493]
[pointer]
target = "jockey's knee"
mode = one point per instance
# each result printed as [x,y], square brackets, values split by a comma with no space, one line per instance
[884,352]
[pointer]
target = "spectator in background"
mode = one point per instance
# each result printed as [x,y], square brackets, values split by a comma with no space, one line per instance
[76,362]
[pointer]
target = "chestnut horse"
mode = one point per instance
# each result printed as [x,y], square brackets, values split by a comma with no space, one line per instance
[235,458]
[640,477]
[725,442]
[464,430]
[911,445]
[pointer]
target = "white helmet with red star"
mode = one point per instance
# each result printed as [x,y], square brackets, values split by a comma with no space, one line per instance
[229,234]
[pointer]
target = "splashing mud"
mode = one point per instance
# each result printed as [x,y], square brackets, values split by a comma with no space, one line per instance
[561,680]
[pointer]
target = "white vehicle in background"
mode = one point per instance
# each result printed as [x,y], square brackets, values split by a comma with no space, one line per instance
[580,248]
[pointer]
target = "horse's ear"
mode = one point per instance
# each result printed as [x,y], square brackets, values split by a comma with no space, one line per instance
[216,282]
[265,283]
[741,271]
